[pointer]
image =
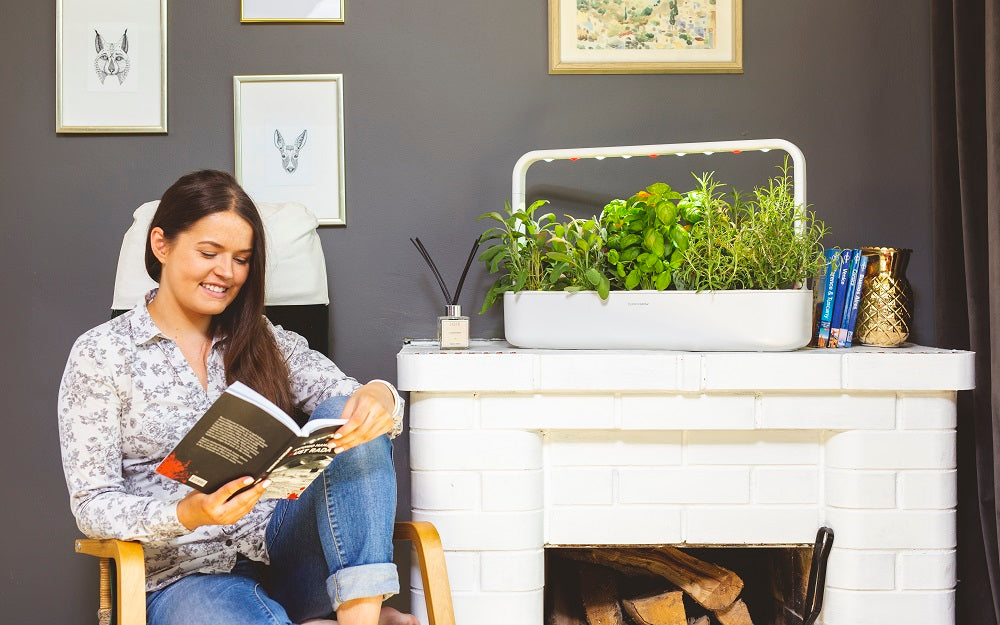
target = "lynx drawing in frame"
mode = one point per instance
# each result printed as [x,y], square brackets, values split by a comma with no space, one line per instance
[112,58]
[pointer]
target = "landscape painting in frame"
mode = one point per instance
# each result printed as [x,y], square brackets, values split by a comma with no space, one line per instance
[645,36]
[291,10]
[290,141]
[111,66]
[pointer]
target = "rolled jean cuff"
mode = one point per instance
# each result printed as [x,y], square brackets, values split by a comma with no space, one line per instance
[363,580]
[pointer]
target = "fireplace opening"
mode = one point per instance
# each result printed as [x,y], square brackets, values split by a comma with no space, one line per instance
[678,586]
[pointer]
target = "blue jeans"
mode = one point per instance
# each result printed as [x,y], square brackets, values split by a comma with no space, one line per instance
[331,545]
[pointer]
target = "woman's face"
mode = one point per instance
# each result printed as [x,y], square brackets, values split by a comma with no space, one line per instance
[204,267]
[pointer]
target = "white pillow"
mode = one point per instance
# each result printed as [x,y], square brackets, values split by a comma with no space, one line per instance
[296,267]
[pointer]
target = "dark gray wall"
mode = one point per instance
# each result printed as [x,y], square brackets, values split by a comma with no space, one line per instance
[440,100]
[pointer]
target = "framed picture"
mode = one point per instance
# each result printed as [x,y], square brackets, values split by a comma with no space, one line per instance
[645,37]
[292,11]
[111,66]
[290,141]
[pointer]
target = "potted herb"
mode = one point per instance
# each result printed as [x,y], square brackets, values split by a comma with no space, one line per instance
[662,269]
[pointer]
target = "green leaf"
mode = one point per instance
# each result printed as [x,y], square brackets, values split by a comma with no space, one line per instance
[560,256]
[666,213]
[613,257]
[632,280]
[519,282]
[604,288]
[560,230]
[629,240]
[620,270]
[649,262]
[630,254]
[658,188]
[583,245]
[491,252]
[497,260]
[662,281]
[491,215]
[679,237]
[593,276]
[653,242]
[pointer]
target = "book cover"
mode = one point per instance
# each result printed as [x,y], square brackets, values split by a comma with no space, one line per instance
[829,292]
[856,300]
[242,434]
[849,297]
[843,275]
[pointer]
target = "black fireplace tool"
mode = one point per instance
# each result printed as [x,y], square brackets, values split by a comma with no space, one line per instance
[817,575]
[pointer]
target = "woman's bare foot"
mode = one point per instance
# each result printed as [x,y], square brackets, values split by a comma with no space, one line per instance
[387,616]
[392,616]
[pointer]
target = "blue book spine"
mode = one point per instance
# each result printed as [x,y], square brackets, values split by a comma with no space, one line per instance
[843,276]
[849,297]
[829,292]
[856,301]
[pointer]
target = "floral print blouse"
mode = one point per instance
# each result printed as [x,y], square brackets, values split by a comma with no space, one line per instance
[127,397]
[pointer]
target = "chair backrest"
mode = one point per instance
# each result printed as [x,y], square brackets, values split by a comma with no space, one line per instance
[296,295]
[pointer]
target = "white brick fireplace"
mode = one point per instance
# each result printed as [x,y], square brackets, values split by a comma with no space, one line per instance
[514,450]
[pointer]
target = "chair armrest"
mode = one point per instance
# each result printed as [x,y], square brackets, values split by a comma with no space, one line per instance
[130,587]
[433,572]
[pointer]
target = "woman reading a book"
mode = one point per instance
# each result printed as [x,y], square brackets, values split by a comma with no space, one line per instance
[135,385]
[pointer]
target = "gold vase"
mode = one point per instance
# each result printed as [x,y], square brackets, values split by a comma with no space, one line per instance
[885,312]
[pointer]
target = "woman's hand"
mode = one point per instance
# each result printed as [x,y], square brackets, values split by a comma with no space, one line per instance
[198,509]
[369,415]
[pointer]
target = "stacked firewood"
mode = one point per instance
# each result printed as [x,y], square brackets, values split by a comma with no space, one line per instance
[659,577]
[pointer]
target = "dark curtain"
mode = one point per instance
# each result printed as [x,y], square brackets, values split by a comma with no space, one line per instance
[966,209]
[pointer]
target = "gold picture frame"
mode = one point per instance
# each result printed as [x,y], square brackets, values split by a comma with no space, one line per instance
[662,37]
[292,154]
[111,66]
[292,11]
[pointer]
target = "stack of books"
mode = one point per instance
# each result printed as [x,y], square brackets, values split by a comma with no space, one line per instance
[841,288]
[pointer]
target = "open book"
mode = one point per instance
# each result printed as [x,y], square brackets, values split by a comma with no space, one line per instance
[244,433]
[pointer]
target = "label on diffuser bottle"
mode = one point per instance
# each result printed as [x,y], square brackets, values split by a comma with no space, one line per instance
[453,332]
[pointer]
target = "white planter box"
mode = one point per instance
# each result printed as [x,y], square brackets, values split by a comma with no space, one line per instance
[750,321]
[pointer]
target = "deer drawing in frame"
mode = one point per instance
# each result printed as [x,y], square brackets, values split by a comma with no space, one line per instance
[289,151]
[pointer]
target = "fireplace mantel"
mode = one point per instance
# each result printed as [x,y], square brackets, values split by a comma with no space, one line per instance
[513,450]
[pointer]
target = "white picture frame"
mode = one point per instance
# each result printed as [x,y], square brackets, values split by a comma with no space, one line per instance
[289,141]
[111,66]
[300,11]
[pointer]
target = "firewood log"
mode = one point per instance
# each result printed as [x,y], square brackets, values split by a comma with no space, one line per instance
[736,614]
[600,596]
[666,608]
[710,586]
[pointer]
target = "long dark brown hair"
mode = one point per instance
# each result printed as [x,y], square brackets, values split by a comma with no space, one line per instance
[251,353]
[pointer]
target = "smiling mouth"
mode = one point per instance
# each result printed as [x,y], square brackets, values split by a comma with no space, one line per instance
[214,288]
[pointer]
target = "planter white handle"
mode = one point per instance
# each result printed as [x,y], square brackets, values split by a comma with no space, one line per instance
[664,149]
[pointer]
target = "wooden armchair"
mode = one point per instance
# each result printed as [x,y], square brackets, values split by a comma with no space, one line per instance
[130,575]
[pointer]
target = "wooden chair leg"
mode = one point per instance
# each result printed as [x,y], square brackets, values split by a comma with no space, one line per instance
[433,572]
[130,587]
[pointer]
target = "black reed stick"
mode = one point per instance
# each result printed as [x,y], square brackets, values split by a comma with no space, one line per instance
[430,263]
[465,272]
[437,274]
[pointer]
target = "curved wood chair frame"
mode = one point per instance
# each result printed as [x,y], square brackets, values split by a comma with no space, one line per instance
[130,579]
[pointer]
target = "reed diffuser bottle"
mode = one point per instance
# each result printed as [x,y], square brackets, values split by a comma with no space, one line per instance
[452,326]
